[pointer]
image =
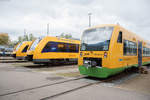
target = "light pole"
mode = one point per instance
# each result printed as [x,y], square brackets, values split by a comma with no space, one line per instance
[24,32]
[89,19]
[47,29]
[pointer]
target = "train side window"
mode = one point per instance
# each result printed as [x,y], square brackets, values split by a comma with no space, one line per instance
[53,47]
[146,51]
[73,47]
[50,47]
[119,40]
[46,48]
[149,52]
[62,47]
[143,51]
[135,49]
[25,49]
[125,47]
[129,48]
[77,48]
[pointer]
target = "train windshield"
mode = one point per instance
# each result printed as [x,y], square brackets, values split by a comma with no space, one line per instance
[18,46]
[35,43]
[97,39]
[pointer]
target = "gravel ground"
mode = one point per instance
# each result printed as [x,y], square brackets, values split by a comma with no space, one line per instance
[140,83]
[134,87]
[58,70]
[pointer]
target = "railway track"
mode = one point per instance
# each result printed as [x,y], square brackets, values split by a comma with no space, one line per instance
[98,81]
[10,60]
[6,59]
[46,64]
[46,85]
[13,61]
[112,78]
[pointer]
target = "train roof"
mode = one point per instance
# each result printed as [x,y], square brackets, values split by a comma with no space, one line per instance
[26,41]
[135,36]
[102,25]
[117,25]
[62,39]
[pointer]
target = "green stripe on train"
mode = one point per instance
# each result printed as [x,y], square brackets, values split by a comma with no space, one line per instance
[103,72]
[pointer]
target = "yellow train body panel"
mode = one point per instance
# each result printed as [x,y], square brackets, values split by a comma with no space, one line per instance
[21,51]
[117,59]
[38,54]
[31,49]
[30,52]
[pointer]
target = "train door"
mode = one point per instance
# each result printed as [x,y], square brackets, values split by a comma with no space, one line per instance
[139,53]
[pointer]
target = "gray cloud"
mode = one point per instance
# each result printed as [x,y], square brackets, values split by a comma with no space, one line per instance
[70,16]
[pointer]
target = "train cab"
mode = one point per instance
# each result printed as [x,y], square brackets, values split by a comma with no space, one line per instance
[21,50]
[30,51]
[109,49]
[56,50]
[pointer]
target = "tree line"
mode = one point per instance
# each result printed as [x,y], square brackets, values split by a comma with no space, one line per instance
[5,39]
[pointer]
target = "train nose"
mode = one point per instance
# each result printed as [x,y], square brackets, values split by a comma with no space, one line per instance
[93,62]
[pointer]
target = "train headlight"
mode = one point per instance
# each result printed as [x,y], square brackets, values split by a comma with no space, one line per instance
[105,54]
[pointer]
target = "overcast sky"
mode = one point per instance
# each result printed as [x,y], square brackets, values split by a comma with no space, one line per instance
[71,16]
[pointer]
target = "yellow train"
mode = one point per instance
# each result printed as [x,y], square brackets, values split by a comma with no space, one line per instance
[109,49]
[14,50]
[30,51]
[56,50]
[21,50]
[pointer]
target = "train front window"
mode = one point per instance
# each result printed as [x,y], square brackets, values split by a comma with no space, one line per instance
[35,43]
[97,39]
[25,49]
[18,46]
